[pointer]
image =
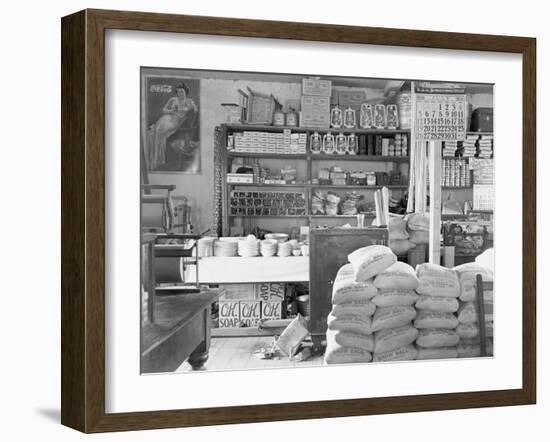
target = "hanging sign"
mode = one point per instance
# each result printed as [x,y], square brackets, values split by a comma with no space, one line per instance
[440,117]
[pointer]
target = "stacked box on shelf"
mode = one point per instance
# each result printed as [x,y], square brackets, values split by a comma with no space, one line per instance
[269,142]
[469,146]
[455,173]
[449,148]
[315,103]
[485,144]
[255,203]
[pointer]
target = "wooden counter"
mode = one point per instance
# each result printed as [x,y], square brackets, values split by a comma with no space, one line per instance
[181,331]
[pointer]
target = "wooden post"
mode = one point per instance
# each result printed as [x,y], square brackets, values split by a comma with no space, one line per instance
[435,201]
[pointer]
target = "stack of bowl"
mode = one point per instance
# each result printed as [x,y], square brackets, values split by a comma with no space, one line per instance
[268,247]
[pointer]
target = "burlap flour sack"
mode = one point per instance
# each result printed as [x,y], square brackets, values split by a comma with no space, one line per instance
[419,237]
[338,354]
[427,319]
[401,246]
[350,322]
[361,307]
[350,339]
[397,228]
[418,221]
[469,347]
[436,280]
[371,260]
[467,274]
[347,289]
[394,338]
[467,331]
[436,353]
[468,350]
[407,353]
[399,275]
[436,304]
[392,317]
[394,297]
[437,337]
[467,313]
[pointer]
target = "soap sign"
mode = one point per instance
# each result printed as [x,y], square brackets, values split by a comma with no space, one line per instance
[229,314]
[440,117]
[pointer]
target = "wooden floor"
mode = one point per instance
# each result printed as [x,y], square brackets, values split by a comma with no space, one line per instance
[237,353]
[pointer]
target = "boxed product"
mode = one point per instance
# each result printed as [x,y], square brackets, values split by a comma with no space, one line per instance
[315,119]
[316,86]
[315,104]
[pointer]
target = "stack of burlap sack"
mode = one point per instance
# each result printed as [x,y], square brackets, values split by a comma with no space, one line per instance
[438,290]
[373,299]
[467,315]
[418,226]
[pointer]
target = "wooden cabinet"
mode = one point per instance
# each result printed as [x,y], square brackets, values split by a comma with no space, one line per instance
[329,250]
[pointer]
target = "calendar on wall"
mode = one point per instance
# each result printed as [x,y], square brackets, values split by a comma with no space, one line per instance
[440,117]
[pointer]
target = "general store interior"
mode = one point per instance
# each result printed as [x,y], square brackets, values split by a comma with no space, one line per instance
[267,186]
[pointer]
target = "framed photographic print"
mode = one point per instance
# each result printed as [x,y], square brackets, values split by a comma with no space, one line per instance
[293,221]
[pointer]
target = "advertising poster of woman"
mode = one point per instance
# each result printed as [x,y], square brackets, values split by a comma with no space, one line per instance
[170,116]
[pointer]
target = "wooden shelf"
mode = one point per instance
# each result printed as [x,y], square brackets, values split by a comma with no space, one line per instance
[268,216]
[379,158]
[268,128]
[262,155]
[456,187]
[367,215]
[267,185]
[351,187]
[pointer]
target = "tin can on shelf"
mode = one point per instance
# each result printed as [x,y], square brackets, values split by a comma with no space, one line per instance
[291,118]
[278,118]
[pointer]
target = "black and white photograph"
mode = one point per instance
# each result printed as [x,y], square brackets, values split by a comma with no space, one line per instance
[333,220]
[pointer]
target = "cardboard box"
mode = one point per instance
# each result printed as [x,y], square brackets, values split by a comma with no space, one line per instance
[314,104]
[238,291]
[229,314]
[320,120]
[270,291]
[250,313]
[351,98]
[315,86]
[272,309]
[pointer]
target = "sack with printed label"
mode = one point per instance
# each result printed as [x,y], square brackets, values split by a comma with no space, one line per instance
[393,338]
[418,221]
[467,331]
[392,317]
[467,276]
[394,297]
[437,353]
[419,237]
[437,337]
[368,261]
[437,304]
[398,276]
[338,354]
[350,322]
[401,246]
[467,312]
[436,280]
[359,307]
[347,289]
[472,346]
[427,319]
[350,339]
[397,228]
[407,353]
